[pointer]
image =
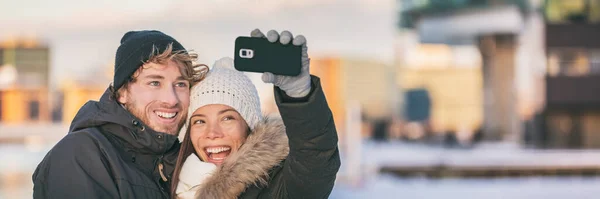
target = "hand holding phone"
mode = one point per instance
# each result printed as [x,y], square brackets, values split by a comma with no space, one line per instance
[257,54]
[285,77]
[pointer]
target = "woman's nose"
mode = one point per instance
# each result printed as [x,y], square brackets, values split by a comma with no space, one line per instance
[214,131]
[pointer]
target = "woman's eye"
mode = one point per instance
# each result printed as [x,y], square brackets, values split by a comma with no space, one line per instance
[228,118]
[154,83]
[198,122]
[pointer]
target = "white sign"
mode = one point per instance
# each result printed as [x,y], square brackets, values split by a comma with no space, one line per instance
[8,76]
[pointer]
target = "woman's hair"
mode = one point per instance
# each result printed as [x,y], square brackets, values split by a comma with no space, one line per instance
[187,148]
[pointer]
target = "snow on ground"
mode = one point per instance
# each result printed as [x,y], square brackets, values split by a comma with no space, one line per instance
[371,184]
[386,186]
[488,154]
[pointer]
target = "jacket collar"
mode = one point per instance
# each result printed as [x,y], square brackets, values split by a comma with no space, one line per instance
[111,117]
[266,147]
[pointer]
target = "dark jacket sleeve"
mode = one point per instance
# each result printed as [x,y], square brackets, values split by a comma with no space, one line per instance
[74,168]
[313,162]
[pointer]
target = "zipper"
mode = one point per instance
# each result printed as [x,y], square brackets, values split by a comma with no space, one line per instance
[160,171]
[160,167]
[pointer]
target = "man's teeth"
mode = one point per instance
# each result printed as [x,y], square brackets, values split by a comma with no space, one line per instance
[166,115]
[217,149]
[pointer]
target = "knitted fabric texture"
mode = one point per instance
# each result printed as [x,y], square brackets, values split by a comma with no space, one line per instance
[135,49]
[226,85]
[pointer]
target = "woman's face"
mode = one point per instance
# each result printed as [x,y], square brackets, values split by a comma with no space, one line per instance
[217,131]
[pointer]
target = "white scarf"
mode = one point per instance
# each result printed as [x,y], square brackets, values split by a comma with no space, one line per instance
[193,174]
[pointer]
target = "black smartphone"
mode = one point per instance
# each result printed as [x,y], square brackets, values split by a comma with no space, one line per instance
[255,54]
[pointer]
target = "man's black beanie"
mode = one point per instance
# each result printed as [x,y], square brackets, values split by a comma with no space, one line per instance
[135,49]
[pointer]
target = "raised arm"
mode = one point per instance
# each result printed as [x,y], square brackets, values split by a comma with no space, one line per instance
[313,162]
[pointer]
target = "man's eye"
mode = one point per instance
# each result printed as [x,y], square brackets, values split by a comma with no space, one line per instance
[154,83]
[228,118]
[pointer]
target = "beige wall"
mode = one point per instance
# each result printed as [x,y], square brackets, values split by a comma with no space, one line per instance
[370,83]
[456,95]
[15,105]
[75,97]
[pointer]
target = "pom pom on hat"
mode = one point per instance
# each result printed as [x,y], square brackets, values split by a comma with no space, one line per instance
[225,62]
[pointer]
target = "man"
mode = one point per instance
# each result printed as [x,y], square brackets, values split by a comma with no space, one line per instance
[126,145]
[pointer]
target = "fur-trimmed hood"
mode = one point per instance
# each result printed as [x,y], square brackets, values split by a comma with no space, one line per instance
[266,147]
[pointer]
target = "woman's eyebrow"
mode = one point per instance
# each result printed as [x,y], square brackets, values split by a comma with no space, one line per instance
[197,115]
[226,110]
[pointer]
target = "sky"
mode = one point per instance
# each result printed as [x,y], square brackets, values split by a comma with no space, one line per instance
[83,35]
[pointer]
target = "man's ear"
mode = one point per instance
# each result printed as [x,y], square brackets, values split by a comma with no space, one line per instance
[123,96]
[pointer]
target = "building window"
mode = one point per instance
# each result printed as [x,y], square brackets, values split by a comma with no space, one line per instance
[569,11]
[1,106]
[57,111]
[34,110]
[573,62]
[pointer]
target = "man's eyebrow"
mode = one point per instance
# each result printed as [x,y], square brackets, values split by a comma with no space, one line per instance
[155,76]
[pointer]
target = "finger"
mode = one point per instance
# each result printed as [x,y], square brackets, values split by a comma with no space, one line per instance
[286,37]
[268,77]
[272,36]
[299,40]
[305,65]
[256,33]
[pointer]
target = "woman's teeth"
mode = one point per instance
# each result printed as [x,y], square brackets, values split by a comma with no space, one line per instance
[165,114]
[217,149]
[217,153]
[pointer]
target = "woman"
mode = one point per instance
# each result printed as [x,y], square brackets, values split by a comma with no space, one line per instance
[231,151]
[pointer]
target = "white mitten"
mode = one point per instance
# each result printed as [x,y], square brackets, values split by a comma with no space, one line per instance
[293,86]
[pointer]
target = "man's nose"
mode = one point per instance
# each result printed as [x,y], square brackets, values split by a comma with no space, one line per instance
[168,96]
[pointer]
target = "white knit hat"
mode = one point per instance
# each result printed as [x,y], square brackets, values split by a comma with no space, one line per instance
[226,85]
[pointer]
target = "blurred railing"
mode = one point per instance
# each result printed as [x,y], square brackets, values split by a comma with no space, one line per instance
[492,172]
[569,68]
[32,133]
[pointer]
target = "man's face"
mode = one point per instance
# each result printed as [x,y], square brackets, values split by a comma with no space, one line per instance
[159,96]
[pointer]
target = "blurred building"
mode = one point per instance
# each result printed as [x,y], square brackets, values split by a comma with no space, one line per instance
[74,93]
[451,76]
[349,80]
[507,34]
[24,70]
[571,118]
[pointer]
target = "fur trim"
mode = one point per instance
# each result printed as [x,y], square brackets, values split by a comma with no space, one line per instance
[266,147]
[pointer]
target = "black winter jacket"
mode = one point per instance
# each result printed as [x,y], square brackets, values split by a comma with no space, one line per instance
[108,153]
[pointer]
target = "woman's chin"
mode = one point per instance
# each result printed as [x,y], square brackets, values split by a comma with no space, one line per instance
[216,162]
